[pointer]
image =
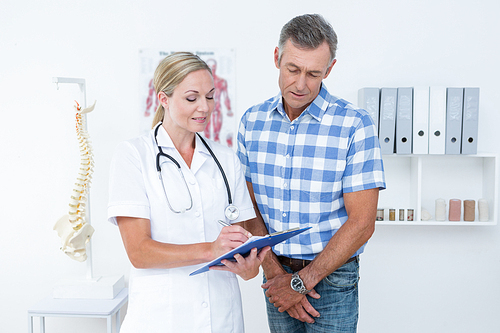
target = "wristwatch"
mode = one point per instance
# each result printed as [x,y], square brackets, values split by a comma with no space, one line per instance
[298,285]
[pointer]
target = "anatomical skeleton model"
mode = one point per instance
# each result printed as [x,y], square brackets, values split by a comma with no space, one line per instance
[221,92]
[73,228]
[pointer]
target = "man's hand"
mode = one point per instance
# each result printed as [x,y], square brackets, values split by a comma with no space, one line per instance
[298,311]
[281,294]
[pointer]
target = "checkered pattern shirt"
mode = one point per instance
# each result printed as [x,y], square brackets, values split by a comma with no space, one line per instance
[300,169]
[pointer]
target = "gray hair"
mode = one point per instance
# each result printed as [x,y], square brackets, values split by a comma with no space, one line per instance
[308,31]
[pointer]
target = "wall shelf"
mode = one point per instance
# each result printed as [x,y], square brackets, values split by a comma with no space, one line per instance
[439,223]
[416,181]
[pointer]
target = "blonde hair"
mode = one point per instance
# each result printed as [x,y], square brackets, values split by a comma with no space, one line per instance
[171,72]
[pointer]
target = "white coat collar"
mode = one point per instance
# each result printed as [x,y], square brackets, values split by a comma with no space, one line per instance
[200,153]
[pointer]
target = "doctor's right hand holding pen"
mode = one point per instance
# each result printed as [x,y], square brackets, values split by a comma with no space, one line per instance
[231,237]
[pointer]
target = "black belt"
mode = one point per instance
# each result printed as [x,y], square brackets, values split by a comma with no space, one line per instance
[298,264]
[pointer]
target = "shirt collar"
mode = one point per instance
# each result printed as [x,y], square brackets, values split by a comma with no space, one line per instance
[316,109]
[165,141]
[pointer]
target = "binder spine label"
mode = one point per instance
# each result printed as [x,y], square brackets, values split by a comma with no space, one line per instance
[404,121]
[454,107]
[388,100]
[470,121]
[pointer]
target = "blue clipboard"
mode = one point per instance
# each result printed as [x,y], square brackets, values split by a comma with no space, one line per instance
[256,241]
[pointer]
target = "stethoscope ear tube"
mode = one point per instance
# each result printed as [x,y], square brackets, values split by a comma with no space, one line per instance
[232,212]
[166,196]
[229,198]
[158,168]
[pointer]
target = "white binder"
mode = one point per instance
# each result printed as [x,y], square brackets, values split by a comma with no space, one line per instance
[470,120]
[388,100]
[420,120]
[454,106]
[404,121]
[369,100]
[437,120]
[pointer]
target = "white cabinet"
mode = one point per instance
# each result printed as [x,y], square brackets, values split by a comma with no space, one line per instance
[416,181]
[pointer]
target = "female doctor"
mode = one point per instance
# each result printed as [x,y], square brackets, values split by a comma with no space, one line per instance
[168,191]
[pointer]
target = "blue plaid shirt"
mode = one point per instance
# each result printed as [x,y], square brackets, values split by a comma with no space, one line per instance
[300,169]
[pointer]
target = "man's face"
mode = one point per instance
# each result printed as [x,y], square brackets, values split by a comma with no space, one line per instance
[301,74]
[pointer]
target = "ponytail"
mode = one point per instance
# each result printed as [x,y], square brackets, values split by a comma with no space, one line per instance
[160,113]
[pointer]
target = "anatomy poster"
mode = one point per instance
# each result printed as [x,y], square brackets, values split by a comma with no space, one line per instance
[222,125]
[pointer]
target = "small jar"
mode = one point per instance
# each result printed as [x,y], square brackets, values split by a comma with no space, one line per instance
[392,214]
[410,215]
[380,214]
[401,214]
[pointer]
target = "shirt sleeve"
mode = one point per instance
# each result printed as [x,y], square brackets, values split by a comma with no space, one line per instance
[127,191]
[241,196]
[364,169]
[242,151]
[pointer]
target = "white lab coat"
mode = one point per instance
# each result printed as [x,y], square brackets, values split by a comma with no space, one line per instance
[169,300]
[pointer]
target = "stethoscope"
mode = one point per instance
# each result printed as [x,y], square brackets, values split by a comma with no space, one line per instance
[232,212]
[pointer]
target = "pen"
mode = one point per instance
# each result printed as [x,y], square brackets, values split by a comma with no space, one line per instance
[282,232]
[225,224]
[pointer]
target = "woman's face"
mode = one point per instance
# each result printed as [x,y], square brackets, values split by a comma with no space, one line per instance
[191,104]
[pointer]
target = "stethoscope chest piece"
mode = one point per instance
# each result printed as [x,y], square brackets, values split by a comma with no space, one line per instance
[232,212]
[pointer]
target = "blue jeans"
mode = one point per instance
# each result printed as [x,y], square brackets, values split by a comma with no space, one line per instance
[338,306]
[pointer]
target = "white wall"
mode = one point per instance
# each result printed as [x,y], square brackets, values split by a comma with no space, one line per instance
[413,279]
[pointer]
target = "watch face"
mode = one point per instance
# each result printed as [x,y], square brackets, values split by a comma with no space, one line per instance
[296,284]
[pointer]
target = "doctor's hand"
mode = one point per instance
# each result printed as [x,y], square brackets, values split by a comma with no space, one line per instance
[247,268]
[228,239]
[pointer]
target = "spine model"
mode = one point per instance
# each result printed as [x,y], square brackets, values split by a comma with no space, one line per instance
[73,228]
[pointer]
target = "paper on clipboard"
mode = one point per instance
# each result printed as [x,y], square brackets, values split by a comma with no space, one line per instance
[255,241]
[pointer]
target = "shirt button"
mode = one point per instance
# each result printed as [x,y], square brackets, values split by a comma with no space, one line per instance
[204,304]
[197,214]
[285,185]
[291,128]
[284,214]
[287,156]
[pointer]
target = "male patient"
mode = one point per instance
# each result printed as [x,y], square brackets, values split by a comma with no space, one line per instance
[311,160]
